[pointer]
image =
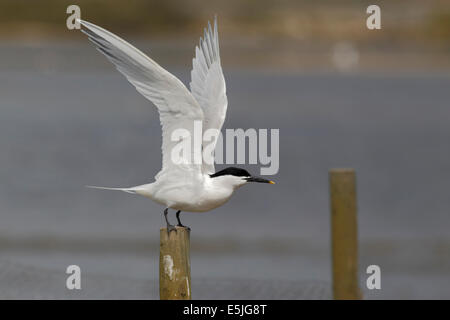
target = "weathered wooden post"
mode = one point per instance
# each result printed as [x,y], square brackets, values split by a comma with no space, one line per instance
[344,235]
[175,265]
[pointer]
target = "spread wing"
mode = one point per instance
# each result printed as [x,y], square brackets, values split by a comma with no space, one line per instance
[178,109]
[208,88]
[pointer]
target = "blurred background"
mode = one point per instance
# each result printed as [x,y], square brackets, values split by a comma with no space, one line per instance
[341,95]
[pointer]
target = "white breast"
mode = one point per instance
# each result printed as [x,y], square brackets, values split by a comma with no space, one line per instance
[185,195]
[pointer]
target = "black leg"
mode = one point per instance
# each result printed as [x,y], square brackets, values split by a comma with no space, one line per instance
[169,226]
[179,221]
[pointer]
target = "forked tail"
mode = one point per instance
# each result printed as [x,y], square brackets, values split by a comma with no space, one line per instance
[128,190]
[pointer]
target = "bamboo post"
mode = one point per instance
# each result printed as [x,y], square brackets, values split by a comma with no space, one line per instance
[175,265]
[344,235]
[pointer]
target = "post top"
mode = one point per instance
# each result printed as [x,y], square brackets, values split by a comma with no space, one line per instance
[176,227]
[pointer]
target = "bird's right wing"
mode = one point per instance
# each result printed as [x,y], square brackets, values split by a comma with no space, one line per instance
[177,108]
[208,87]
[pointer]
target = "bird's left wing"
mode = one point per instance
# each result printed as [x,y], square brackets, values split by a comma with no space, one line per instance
[208,87]
[177,108]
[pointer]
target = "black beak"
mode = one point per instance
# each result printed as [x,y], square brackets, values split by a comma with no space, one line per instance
[260,180]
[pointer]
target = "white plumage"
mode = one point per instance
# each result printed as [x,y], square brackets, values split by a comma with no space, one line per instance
[182,186]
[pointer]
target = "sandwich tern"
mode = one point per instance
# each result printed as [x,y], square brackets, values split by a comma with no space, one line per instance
[190,187]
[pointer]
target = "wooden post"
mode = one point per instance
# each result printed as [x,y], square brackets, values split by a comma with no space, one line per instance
[344,235]
[174,265]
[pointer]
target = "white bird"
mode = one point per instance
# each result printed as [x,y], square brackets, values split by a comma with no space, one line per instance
[187,187]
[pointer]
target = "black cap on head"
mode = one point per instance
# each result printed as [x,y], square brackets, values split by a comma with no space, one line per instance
[231,171]
[237,172]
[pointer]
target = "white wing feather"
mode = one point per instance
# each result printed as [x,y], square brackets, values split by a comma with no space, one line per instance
[208,85]
[176,105]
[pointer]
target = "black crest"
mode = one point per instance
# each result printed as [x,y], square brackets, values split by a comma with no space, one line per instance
[231,171]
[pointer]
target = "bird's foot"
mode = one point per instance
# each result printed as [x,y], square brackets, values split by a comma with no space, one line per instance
[183,226]
[179,221]
[171,228]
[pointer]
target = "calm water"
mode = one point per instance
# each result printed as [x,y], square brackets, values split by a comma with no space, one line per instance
[62,129]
